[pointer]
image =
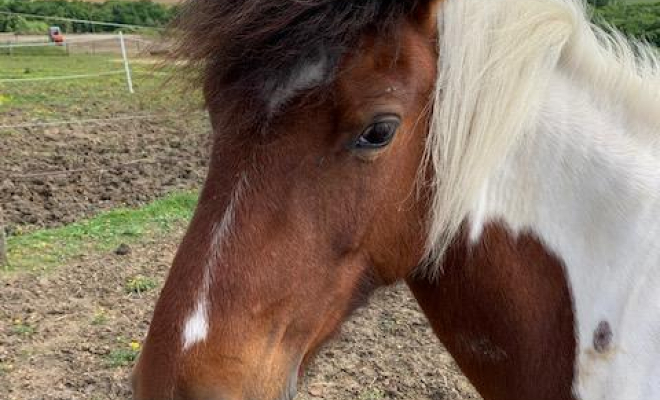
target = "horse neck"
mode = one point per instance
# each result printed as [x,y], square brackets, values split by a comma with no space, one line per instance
[587,184]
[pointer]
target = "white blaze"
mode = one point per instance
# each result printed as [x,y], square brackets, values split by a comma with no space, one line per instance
[196,326]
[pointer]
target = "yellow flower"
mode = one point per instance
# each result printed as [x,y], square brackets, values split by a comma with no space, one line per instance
[135,346]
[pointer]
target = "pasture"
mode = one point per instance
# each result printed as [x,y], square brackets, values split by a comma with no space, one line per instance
[96,187]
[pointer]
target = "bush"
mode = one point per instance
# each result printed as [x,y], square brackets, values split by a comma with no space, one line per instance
[634,20]
[601,3]
[141,13]
[23,26]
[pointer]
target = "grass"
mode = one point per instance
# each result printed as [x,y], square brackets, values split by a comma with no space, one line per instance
[125,355]
[372,394]
[140,284]
[156,92]
[44,249]
[23,329]
[32,51]
[122,357]
[100,318]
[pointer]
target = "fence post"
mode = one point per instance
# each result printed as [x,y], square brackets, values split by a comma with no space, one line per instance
[4,260]
[126,67]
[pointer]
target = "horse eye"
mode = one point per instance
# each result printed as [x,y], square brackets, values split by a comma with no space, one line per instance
[379,134]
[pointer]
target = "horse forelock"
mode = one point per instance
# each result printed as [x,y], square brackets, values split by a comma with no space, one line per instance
[250,51]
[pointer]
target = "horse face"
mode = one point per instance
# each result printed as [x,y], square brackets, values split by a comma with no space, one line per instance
[296,226]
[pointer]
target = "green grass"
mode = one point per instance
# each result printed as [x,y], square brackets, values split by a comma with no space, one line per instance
[372,394]
[41,65]
[121,357]
[34,51]
[23,329]
[100,318]
[44,249]
[156,92]
[140,284]
[125,355]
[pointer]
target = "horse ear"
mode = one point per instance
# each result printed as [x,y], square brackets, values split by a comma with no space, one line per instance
[426,15]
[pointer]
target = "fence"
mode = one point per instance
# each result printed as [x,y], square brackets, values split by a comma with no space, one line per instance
[115,56]
[85,44]
[11,45]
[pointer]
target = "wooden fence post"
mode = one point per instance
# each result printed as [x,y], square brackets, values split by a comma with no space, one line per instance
[4,260]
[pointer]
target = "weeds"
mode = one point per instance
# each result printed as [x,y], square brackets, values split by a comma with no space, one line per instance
[140,284]
[43,249]
[372,394]
[123,356]
[23,328]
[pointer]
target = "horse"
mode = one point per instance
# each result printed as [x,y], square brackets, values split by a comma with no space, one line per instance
[500,157]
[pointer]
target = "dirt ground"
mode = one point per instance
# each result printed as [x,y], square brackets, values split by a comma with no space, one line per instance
[59,333]
[51,176]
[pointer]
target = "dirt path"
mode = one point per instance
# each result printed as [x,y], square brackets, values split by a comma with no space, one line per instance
[62,336]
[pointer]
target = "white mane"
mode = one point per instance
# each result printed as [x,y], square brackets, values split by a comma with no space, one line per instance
[495,61]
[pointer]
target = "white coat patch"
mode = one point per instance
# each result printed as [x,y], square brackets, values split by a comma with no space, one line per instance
[305,77]
[591,192]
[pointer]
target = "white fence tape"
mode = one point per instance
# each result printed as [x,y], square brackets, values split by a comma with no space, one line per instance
[63,77]
[72,42]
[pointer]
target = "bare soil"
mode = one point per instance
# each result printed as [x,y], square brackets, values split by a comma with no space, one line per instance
[79,316]
[51,176]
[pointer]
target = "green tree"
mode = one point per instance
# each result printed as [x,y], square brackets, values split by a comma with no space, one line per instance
[141,13]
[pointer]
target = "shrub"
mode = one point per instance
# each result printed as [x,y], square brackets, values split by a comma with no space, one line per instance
[634,20]
[141,13]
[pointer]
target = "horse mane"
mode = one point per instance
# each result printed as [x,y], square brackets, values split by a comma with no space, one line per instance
[246,49]
[496,59]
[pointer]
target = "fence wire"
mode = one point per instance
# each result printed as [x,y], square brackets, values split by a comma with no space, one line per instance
[63,77]
[98,121]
